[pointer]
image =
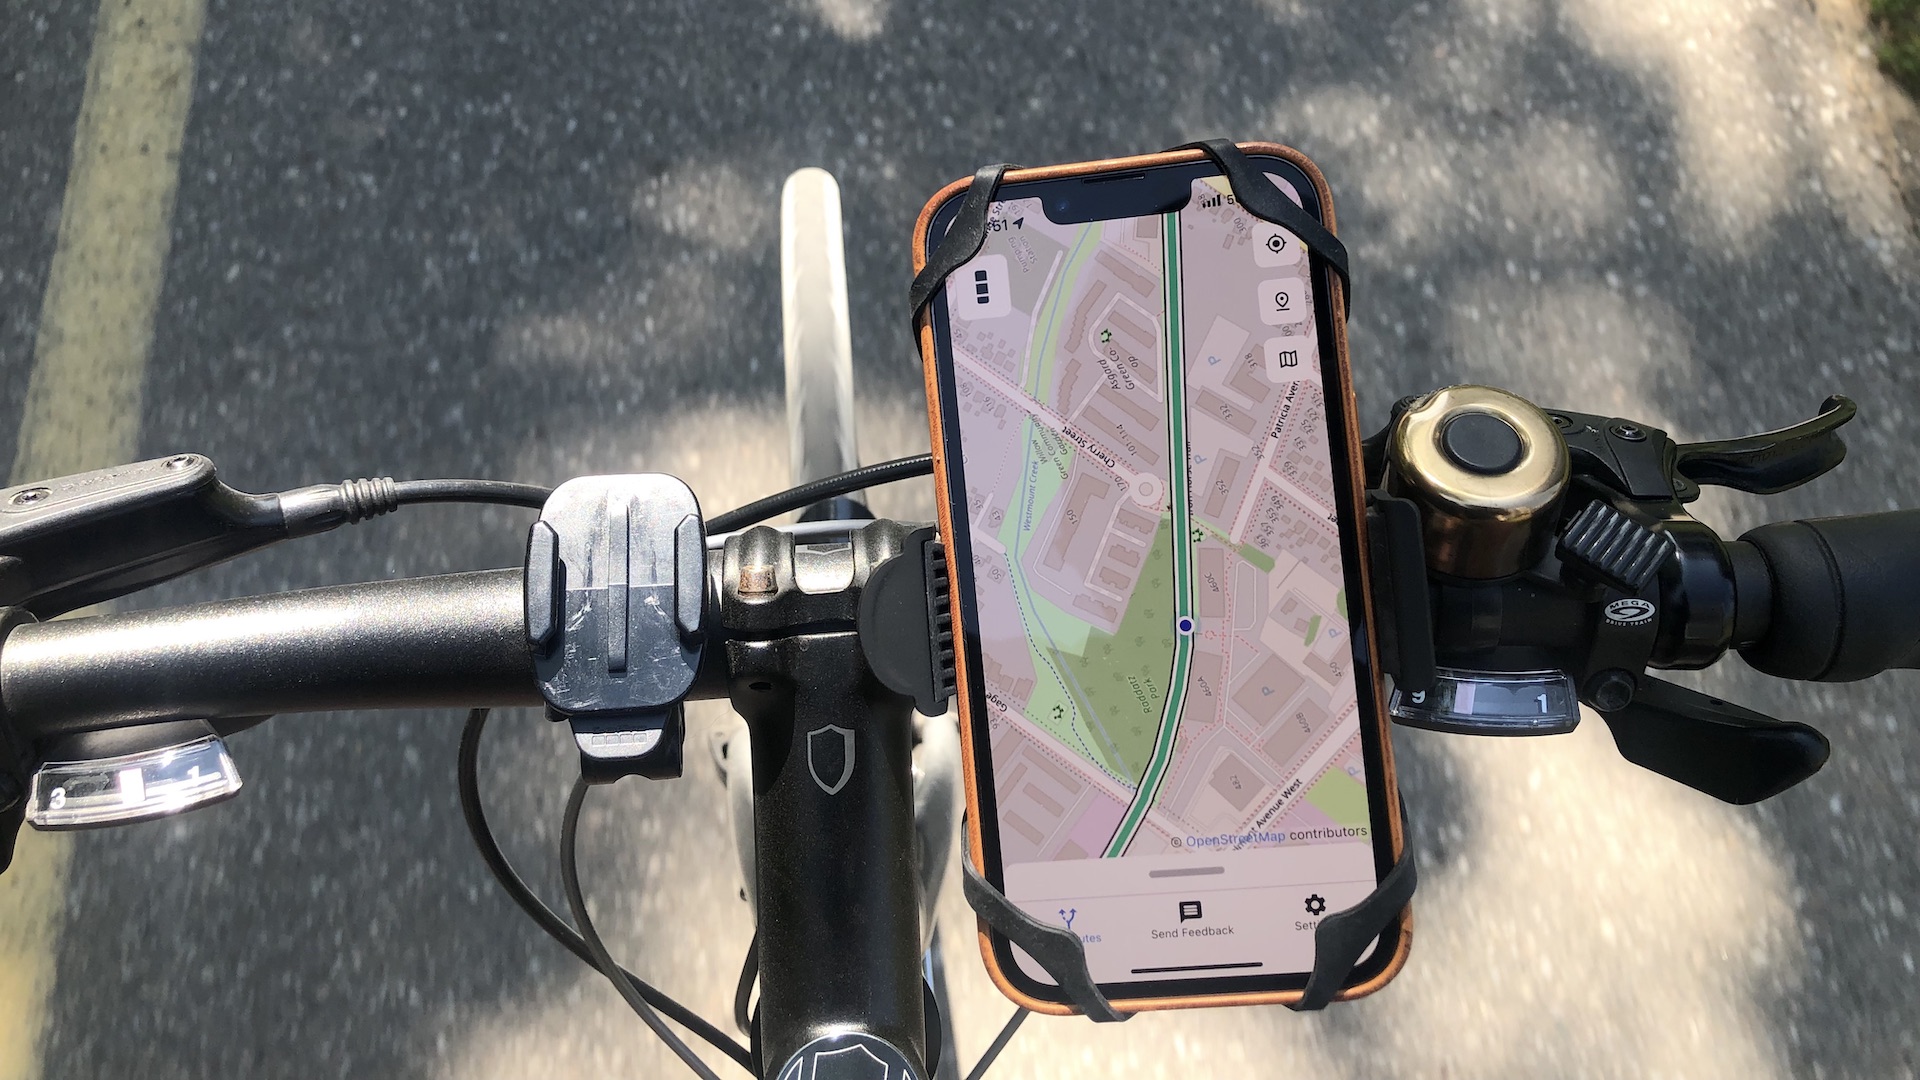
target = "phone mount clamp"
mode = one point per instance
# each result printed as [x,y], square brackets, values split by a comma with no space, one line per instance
[1399,579]
[616,590]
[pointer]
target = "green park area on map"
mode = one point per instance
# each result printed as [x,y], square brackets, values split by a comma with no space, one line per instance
[1108,691]
[1124,675]
[1341,798]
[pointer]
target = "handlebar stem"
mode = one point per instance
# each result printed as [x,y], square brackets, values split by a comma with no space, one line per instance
[839,925]
[837,884]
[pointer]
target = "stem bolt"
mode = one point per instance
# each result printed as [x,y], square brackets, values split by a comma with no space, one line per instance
[29,496]
[758,580]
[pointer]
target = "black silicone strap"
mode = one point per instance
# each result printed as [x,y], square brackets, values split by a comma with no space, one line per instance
[1056,948]
[963,239]
[1341,937]
[1258,196]
[1338,941]
[1251,190]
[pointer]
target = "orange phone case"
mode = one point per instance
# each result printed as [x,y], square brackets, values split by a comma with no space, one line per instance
[975,848]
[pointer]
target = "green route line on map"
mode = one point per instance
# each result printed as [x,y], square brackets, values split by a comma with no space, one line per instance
[1177,457]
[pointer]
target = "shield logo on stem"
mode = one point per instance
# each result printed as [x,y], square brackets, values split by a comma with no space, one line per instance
[830,757]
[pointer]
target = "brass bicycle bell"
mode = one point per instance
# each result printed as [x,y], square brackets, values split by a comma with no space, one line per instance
[1487,470]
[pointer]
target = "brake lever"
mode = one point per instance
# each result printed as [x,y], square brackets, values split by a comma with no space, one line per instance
[1772,461]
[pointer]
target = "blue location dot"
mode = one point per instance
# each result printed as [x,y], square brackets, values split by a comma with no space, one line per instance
[1185,625]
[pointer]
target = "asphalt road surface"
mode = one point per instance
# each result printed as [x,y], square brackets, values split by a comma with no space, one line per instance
[532,241]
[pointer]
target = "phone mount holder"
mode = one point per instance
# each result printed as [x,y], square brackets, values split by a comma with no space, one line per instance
[616,591]
[1399,579]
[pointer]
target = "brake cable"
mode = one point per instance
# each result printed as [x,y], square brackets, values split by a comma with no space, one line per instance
[586,943]
[999,1043]
[522,895]
[498,492]
[798,498]
[623,982]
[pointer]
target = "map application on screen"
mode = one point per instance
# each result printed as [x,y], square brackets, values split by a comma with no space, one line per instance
[1161,602]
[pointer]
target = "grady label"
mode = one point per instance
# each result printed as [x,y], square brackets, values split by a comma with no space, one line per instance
[1631,611]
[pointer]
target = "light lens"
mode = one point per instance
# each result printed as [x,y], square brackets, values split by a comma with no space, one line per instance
[132,787]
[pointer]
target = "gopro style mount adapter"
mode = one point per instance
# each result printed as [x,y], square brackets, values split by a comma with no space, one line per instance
[616,602]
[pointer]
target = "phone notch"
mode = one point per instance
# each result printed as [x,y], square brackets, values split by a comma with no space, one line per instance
[1135,193]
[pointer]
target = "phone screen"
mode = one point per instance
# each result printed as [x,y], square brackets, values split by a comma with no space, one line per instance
[1161,599]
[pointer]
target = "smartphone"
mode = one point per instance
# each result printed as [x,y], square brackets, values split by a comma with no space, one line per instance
[1150,492]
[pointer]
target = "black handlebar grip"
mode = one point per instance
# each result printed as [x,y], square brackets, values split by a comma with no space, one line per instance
[1846,596]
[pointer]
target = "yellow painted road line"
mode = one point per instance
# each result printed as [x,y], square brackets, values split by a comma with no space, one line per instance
[96,323]
[83,398]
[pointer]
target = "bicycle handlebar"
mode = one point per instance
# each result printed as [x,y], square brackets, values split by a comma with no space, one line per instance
[793,658]
[1832,599]
[1843,596]
[454,640]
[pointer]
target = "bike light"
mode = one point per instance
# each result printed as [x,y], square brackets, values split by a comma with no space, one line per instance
[131,787]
